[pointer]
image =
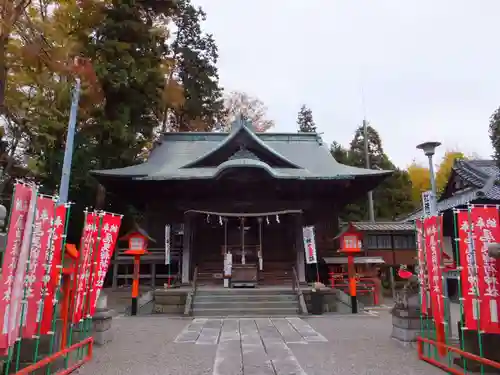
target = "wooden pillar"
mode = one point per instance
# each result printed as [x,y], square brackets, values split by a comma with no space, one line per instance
[299,247]
[153,275]
[100,199]
[186,250]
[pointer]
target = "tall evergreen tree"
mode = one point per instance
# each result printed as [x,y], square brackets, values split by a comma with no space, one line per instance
[393,197]
[305,120]
[495,134]
[195,55]
[127,52]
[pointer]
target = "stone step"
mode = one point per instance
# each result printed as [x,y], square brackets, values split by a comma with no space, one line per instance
[245,297]
[243,305]
[244,292]
[238,311]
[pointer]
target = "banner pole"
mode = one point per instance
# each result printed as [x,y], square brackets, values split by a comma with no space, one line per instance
[476,302]
[461,299]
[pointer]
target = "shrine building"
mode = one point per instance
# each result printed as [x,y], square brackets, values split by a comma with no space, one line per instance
[241,192]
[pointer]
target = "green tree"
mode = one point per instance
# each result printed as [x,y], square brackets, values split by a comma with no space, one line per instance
[393,197]
[305,120]
[339,153]
[495,134]
[195,56]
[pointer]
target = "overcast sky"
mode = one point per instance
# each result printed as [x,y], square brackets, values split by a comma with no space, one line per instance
[427,69]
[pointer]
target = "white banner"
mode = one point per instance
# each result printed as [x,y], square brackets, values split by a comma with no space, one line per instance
[427,203]
[167,244]
[228,264]
[309,244]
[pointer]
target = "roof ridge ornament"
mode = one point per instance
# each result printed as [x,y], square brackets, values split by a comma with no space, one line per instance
[241,121]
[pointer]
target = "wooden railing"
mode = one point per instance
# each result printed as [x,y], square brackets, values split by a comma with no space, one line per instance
[298,291]
[191,294]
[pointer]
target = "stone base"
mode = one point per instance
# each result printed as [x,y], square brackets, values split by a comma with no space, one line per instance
[405,325]
[169,301]
[101,327]
[405,334]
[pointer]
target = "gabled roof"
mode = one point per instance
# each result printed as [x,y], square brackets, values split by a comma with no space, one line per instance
[482,178]
[182,156]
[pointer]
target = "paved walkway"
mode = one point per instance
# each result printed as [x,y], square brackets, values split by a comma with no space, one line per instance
[326,345]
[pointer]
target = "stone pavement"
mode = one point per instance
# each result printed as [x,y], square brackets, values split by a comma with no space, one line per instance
[326,345]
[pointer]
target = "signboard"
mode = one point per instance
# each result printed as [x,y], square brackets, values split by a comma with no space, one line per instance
[427,203]
[309,244]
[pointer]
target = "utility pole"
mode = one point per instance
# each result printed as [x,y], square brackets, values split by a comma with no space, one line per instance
[68,151]
[371,212]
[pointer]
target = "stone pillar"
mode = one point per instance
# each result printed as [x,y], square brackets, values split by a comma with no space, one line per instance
[101,321]
[299,247]
[186,250]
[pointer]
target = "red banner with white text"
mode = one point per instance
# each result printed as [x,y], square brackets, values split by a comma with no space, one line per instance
[469,273]
[18,215]
[87,247]
[422,273]
[54,258]
[40,241]
[485,229]
[110,226]
[433,246]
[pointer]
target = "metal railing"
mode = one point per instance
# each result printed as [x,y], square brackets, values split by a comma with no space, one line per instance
[298,291]
[191,293]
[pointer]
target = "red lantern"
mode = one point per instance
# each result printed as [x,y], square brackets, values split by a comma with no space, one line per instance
[137,245]
[350,240]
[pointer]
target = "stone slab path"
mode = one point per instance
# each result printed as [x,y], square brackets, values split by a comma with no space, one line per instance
[327,345]
[252,346]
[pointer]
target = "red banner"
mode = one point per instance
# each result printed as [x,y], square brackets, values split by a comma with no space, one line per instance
[54,258]
[110,226]
[422,274]
[485,229]
[18,214]
[40,241]
[87,247]
[433,243]
[469,272]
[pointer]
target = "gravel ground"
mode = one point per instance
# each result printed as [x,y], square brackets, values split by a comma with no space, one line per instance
[356,345]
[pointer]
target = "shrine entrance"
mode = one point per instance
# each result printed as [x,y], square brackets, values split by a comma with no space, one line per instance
[244,250]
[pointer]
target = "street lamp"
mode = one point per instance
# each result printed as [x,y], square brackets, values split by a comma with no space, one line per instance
[429,149]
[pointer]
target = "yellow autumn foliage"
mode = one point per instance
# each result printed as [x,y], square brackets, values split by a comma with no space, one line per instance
[420,177]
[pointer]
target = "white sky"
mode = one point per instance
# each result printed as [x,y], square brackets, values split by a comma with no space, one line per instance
[429,69]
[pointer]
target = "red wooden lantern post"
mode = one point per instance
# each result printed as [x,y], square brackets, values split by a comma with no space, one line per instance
[350,244]
[137,245]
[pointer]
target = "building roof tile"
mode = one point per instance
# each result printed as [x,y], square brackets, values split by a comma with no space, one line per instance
[305,154]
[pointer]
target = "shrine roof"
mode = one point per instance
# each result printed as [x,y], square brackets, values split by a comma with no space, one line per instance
[482,178]
[181,156]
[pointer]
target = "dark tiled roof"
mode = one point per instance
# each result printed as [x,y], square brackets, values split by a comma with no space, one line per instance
[302,156]
[383,226]
[481,175]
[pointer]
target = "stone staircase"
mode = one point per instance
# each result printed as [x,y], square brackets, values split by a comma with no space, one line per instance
[245,302]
